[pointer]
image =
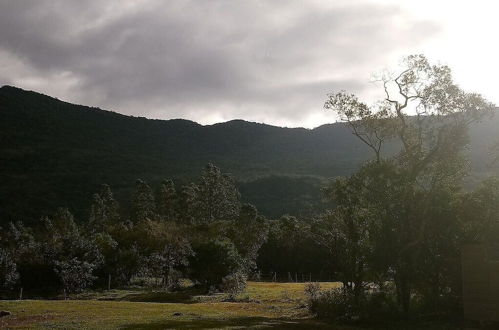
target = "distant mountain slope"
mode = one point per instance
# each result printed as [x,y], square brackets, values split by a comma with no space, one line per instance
[54,153]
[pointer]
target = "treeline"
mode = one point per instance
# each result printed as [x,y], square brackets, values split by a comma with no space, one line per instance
[201,232]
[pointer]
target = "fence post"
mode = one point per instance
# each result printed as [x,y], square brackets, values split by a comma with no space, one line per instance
[21,294]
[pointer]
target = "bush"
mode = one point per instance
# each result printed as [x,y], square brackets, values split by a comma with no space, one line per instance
[234,284]
[174,280]
[75,275]
[213,261]
[340,304]
[312,290]
[380,306]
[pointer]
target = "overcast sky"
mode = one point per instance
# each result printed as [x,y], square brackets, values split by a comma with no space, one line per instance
[210,61]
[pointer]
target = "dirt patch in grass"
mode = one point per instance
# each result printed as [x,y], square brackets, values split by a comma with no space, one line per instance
[23,320]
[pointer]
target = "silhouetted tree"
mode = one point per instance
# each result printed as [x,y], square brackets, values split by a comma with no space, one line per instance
[429,114]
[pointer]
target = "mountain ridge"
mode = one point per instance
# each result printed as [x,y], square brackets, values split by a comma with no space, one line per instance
[231,121]
[54,153]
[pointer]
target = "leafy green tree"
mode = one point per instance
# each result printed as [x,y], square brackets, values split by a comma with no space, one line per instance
[19,242]
[290,249]
[8,270]
[429,114]
[106,272]
[75,275]
[129,264]
[479,212]
[68,251]
[121,250]
[249,232]
[213,261]
[344,232]
[165,249]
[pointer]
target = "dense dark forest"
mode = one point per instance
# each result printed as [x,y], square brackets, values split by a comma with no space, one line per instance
[200,230]
[55,154]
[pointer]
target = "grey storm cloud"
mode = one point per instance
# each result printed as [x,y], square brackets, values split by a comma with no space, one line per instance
[270,61]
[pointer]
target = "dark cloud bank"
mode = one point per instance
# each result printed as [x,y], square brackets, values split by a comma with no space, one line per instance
[267,61]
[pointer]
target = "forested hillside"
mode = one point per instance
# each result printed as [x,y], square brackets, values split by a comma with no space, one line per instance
[54,153]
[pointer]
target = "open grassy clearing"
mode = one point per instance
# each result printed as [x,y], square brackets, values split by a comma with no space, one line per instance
[263,305]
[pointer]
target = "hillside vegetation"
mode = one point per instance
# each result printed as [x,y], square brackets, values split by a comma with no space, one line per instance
[54,153]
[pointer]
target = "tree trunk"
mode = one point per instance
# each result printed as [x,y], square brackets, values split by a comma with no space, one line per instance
[357,290]
[403,293]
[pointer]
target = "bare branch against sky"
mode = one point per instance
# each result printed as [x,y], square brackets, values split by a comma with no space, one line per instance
[209,61]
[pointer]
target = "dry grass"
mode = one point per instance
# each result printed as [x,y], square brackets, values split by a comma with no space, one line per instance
[262,306]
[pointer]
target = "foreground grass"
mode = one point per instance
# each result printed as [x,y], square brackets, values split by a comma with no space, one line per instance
[262,306]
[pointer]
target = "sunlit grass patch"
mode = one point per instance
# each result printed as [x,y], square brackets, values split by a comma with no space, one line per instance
[268,306]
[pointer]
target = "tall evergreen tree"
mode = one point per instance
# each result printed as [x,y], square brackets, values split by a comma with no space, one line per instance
[167,198]
[218,196]
[187,203]
[104,210]
[143,204]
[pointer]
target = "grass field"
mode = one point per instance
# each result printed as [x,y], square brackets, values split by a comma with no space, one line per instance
[262,306]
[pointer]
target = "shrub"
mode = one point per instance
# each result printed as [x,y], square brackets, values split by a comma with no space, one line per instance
[75,275]
[380,306]
[174,280]
[234,284]
[213,261]
[340,304]
[312,290]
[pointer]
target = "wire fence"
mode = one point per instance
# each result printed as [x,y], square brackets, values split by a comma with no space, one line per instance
[291,277]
